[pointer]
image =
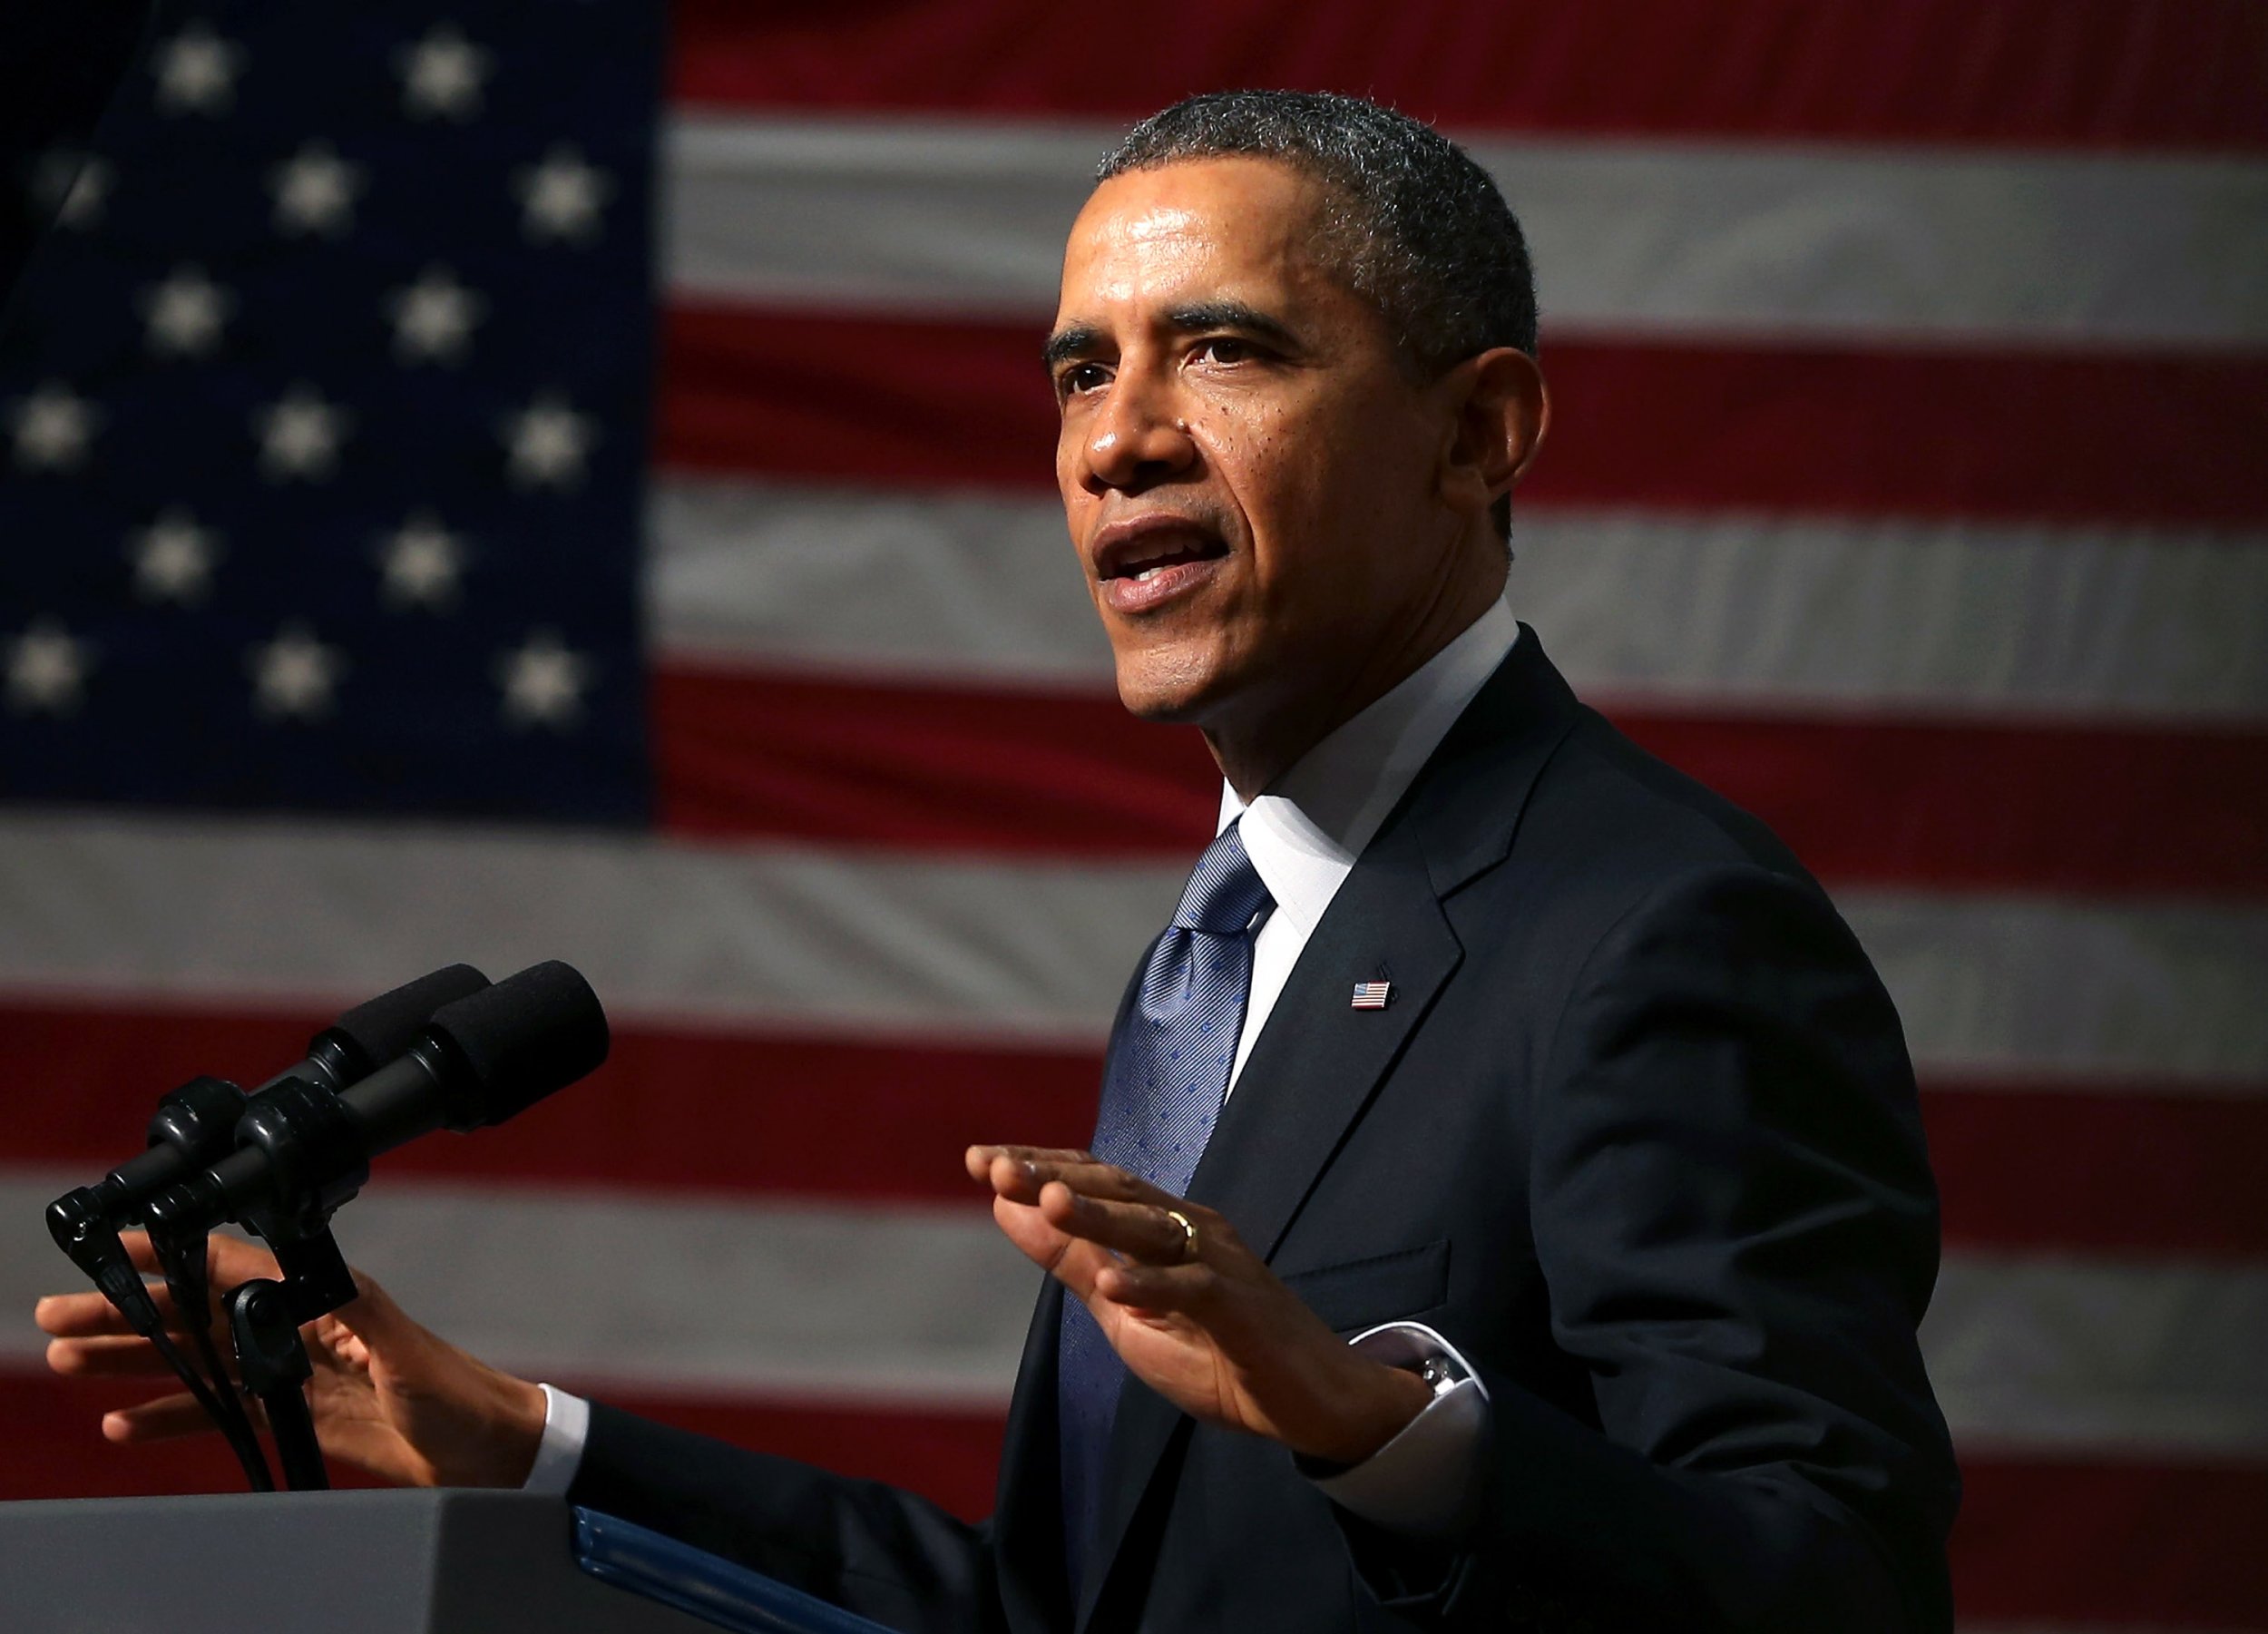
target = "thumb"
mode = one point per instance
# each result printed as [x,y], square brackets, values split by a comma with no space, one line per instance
[232,1260]
[1071,1260]
[383,1328]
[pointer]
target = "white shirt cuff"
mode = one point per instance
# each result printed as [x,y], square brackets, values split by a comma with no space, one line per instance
[1418,1483]
[566,1426]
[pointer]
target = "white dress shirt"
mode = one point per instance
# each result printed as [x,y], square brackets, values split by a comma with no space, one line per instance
[1303,836]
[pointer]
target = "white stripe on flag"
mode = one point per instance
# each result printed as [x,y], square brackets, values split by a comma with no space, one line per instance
[931,1304]
[2111,623]
[2101,1356]
[868,1303]
[916,215]
[875,942]
[864,942]
[2165,992]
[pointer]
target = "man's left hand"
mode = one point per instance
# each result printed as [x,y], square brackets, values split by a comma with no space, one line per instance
[1193,1313]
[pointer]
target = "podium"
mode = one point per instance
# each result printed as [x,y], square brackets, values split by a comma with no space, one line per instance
[440,1562]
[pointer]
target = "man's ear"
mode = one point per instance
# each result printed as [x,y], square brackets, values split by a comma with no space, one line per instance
[1499,412]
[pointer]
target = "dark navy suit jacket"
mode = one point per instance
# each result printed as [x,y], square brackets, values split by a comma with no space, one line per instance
[1637,1134]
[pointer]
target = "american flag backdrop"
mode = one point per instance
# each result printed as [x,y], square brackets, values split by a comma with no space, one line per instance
[494,482]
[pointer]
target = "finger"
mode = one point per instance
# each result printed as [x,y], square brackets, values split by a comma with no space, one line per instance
[230,1259]
[69,1315]
[234,1260]
[1028,1229]
[159,1420]
[1071,1260]
[79,1316]
[1184,1289]
[984,1162]
[373,1317]
[1023,1179]
[1146,1231]
[1058,1154]
[109,1357]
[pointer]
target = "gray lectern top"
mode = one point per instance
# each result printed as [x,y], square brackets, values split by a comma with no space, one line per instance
[444,1561]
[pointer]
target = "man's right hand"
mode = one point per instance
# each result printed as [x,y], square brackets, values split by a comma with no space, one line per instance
[388,1396]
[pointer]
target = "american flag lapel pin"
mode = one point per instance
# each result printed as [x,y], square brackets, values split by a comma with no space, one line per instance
[1371,995]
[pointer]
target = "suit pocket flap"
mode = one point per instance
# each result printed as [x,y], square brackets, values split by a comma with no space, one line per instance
[1357,1293]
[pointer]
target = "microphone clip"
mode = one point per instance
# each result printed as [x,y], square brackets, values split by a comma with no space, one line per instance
[83,1224]
[318,1157]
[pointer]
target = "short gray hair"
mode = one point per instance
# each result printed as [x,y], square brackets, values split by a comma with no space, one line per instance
[1416,227]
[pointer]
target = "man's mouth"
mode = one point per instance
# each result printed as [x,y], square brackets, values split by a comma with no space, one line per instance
[1166,553]
[1144,562]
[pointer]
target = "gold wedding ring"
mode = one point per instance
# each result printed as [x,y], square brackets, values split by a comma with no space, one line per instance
[1188,1234]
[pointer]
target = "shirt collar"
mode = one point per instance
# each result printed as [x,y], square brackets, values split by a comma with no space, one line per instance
[1304,833]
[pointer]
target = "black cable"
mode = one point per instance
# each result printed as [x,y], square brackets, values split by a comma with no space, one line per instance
[237,1424]
[188,1274]
[273,1361]
[297,1452]
[255,1466]
[185,1260]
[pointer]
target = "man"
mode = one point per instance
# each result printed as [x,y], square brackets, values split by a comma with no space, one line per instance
[1480,1039]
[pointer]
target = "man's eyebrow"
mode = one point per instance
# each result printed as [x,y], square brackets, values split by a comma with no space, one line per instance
[1233,315]
[1076,341]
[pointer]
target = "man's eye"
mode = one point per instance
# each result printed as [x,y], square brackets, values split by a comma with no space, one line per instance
[1082,377]
[1226,348]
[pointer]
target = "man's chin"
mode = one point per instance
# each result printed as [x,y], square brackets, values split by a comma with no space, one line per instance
[1169,690]
[1165,708]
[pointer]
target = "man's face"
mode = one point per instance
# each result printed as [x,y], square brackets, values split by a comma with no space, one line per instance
[1248,473]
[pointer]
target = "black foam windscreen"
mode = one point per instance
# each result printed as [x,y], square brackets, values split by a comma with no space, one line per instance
[373,1034]
[517,1041]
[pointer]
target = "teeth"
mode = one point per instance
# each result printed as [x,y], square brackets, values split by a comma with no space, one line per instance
[1146,574]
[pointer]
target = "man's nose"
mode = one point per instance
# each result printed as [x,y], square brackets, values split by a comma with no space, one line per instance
[1140,438]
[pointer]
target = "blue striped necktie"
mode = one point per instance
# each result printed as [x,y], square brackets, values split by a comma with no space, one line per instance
[1161,1092]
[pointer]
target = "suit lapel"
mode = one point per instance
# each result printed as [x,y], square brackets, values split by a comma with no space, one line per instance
[1314,1070]
[1319,1061]
[1319,1058]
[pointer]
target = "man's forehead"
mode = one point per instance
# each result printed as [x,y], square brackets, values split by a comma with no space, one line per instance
[1252,195]
[1160,230]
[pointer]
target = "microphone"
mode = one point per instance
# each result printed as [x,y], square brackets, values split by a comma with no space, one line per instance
[371,1035]
[195,1126]
[304,1150]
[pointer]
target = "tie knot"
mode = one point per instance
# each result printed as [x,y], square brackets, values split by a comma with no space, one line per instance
[1225,892]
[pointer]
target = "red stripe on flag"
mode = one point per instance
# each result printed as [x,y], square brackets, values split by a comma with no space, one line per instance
[2112,1544]
[53,1431]
[2031,808]
[1903,432]
[55,1447]
[901,400]
[847,762]
[1911,433]
[774,753]
[757,1114]
[2103,1171]
[672,1110]
[2057,73]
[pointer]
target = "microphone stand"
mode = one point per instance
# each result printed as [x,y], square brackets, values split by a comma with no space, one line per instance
[303,1149]
[264,1320]
[316,1145]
